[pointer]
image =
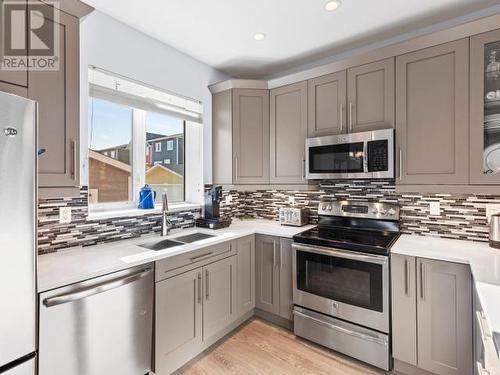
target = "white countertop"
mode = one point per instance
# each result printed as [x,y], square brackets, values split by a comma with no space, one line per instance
[81,263]
[483,260]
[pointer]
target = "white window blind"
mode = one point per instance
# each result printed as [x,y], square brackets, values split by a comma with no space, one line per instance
[111,87]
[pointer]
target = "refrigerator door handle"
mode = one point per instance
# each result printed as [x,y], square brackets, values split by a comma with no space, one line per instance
[96,289]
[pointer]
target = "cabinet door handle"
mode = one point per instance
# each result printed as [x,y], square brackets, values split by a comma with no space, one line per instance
[400,164]
[341,116]
[207,285]
[274,253]
[407,278]
[236,168]
[199,287]
[73,160]
[281,256]
[422,281]
[350,116]
[303,168]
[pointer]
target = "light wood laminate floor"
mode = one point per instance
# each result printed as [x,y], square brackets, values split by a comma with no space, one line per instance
[261,348]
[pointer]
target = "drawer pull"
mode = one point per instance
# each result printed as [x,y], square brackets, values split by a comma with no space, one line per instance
[200,256]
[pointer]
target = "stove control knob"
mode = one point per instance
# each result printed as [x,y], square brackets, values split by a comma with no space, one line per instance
[323,206]
[374,211]
[391,211]
[383,212]
[329,207]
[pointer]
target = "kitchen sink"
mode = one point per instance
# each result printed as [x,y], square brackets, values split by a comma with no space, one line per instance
[194,237]
[161,245]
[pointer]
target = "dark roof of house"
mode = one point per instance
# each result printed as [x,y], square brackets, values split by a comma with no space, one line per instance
[150,136]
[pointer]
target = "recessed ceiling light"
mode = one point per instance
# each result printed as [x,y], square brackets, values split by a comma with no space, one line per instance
[259,36]
[332,5]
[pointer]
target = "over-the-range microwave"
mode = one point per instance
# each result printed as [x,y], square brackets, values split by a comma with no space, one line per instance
[351,156]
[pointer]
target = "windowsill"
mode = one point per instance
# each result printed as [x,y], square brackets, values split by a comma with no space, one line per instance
[131,212]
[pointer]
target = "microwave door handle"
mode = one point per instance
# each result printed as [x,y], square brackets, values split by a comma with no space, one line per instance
[365,157]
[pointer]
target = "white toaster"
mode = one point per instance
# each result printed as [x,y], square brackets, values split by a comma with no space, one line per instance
[295,216]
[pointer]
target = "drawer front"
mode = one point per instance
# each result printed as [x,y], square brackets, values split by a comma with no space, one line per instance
[166,268]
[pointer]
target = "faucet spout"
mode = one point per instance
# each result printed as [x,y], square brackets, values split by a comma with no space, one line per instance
[165,222]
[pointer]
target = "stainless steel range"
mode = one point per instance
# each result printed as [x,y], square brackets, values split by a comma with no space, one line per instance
[341,279]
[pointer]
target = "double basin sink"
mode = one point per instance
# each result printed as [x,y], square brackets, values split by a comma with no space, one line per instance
[177,241]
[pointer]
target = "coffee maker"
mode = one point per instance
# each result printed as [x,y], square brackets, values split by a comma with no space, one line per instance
[211,215]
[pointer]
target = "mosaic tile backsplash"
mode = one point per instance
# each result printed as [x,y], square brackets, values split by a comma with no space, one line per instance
[53,236]
[462,216]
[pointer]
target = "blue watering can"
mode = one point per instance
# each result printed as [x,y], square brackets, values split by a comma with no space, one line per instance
[146,197]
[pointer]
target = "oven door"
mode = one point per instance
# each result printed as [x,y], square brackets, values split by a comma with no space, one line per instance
[344,284]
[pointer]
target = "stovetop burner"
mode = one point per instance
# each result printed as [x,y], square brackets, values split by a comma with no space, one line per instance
[357,226]
[366,241]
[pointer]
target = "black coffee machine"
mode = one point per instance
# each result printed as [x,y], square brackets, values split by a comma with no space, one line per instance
[211,218]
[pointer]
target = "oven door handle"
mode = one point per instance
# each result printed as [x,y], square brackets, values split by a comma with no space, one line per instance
[378,259]
[341,329]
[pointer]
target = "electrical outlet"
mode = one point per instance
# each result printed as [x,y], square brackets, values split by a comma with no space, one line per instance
[65,215]
[229,199]
[492,209]
[435,208]
[291,200]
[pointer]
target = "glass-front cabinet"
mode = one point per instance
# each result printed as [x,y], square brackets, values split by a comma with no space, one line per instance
[485,108]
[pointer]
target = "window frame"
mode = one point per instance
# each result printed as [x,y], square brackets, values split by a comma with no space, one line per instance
[138,165]
[157,147]
[170,145]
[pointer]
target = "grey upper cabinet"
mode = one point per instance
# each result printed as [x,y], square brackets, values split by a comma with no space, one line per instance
[444,312]
[404,308]
[432,315]
[14,77]
[57,93]
[222,138]
[286,279]
[246,274]
[288,110]
[266,274]
[432,114]
[370,91]
[250,136]
[178,325]
[219,285]
[326,104]
[484,109]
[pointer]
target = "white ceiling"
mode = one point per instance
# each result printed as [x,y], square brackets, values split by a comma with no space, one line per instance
[220,32]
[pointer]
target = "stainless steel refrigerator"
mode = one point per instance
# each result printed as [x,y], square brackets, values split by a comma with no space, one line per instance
[17,235]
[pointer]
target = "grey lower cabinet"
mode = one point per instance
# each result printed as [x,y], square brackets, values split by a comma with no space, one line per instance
[245,283]
[191,310]
[288,111]
[179,329]
[273,275]
[431,316]
[240,118]
[432,115]
[219,300]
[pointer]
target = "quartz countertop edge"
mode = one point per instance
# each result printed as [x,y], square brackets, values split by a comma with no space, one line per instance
[483,260]
[77,264]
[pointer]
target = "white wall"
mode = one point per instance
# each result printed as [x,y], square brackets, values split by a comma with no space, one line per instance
[109,44]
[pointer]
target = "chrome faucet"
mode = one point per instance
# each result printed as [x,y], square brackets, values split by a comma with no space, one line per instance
[165,222]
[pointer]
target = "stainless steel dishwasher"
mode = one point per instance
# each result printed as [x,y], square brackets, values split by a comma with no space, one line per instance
[100,326]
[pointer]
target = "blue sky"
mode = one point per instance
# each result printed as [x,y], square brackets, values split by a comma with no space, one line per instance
[111,124]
